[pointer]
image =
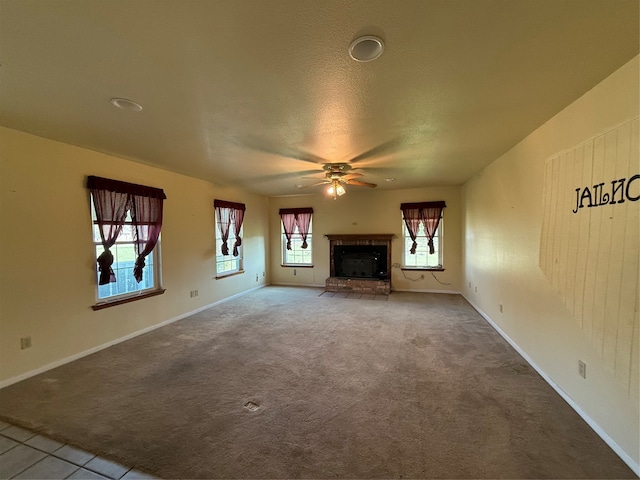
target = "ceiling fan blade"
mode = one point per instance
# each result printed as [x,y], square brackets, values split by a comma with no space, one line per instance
[360,184]
[259,145]
[352,175]
[280,176]
[314,184]
[319,176]
[387,147]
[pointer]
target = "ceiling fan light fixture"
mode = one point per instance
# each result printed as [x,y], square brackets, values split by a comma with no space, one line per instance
[336,189]
[366,48]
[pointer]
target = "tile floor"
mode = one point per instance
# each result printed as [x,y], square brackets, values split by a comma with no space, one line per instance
[24,454]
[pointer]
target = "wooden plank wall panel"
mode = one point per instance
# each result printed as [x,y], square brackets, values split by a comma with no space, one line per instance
[628,327]
[585,155]
[616,161]
[599,249]
[591,254]
[575,161]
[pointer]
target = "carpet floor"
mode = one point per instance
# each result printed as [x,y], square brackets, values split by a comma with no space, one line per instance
[286,383]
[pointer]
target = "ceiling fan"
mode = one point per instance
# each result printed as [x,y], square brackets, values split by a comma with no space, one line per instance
[338,174]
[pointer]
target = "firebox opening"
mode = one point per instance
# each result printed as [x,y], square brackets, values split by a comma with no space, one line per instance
[360,261]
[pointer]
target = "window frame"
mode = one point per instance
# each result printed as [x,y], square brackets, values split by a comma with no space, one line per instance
[153,258]
[239,259]
[297,238]
[438,245]
[225,210]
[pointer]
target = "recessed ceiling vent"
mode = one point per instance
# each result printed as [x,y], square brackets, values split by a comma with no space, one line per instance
[367,48]
[126,104]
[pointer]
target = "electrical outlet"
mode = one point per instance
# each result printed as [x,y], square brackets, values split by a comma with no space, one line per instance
[476,289]
[25,342]
[194,293]
[256,277]
[294,272]
[500,308]
[582,369]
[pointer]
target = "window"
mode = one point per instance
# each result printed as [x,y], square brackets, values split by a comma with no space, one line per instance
[422,258]
[124,257]
[422,235]
[229,219]
[227,264]
[127,220]
[297,255]
[296,236]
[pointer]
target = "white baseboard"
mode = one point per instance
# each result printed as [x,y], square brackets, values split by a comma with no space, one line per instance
[626,458]
[451,292]
[314,285]
[58,363]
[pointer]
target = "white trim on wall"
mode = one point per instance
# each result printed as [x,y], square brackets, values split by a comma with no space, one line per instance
[626,458]
[450,292]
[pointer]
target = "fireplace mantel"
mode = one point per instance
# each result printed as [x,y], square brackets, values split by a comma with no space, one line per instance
[360,236]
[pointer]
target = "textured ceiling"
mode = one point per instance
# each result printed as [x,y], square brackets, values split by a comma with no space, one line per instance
[259,93]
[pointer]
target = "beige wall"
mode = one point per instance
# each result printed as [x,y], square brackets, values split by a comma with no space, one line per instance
[369,211]
[47,279]
[503,208]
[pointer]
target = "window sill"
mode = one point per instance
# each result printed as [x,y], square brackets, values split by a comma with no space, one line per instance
[422,269]
[295,265]
[113,303]
[225,275]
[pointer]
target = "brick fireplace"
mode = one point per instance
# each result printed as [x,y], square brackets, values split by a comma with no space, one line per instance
[360,263]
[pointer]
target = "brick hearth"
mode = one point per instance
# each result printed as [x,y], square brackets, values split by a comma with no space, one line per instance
[358,285]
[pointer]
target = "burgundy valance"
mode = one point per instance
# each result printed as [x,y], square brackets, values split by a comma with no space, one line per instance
[422,205]
[296,210]
[225,204]
[117,186]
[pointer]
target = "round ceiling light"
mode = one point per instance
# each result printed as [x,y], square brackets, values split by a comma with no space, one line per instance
[125,104]
[367,48]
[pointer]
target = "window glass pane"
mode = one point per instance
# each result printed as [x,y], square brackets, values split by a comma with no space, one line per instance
[96,234]
[123,262]
[227,264]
